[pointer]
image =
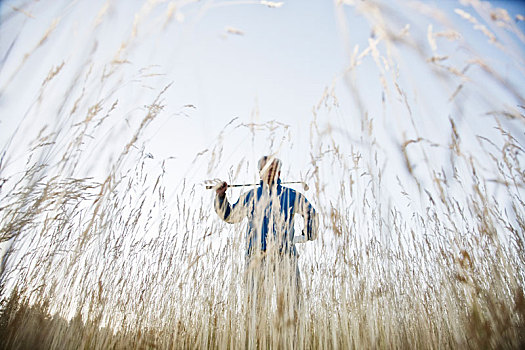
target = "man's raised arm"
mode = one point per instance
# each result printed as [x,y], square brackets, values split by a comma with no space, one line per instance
[227,212]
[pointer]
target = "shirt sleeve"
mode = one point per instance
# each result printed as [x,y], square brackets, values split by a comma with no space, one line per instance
[231,213]
[311,219]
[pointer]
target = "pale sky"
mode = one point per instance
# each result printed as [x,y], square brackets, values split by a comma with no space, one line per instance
[238,59]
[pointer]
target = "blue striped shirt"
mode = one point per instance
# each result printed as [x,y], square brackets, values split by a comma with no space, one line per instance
[270,213]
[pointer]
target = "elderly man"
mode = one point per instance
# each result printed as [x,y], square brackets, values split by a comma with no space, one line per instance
[271,256]
[270,209]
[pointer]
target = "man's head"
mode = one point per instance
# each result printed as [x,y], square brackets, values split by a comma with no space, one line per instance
[269,169]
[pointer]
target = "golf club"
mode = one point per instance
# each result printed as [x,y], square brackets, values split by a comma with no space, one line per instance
[305,185]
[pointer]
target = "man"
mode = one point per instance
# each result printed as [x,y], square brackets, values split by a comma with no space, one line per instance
[270,209]
[271,256]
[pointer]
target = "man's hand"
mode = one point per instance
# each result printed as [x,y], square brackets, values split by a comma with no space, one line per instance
[221,190]
[299,239]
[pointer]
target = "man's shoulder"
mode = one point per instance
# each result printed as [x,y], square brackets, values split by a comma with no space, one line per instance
[286,188]
[289,191]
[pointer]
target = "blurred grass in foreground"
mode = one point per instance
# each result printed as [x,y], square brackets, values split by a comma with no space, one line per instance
[436,261]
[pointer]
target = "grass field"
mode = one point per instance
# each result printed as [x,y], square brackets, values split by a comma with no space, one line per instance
[422,239]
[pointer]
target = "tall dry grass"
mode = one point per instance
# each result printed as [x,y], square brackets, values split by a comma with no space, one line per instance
[422,236]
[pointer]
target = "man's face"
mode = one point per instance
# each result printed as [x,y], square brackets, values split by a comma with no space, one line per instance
[269,173]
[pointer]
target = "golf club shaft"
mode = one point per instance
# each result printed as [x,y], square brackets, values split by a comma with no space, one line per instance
[209,187]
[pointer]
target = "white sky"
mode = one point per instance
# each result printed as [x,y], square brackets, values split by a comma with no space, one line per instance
[277,70]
